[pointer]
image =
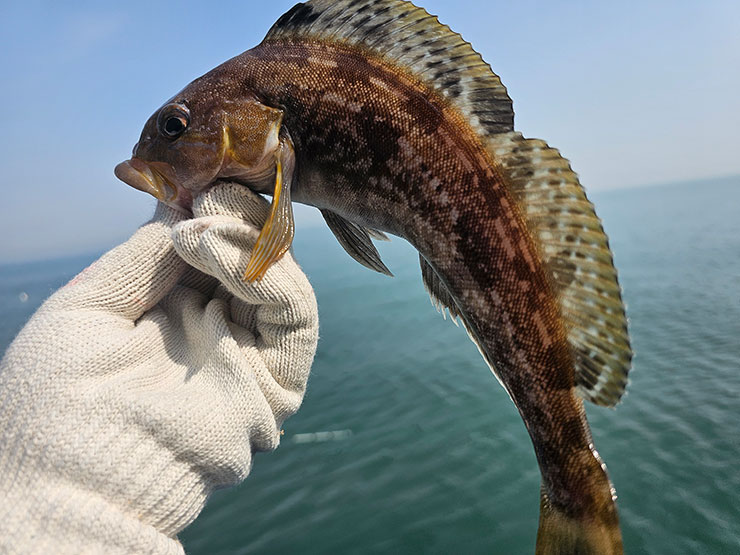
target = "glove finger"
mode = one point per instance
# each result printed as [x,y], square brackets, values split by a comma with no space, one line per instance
[286,319]
[131,278]
[233,200]
[286,322]
[188,239]
[223,249]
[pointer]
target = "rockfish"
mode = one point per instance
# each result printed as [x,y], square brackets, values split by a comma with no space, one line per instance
[389,122]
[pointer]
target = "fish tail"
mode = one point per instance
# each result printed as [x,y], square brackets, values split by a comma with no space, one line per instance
[594,533]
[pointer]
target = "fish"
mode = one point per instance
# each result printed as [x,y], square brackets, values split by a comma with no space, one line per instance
[390,123]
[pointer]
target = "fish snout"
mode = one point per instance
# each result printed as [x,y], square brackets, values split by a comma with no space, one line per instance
[142,176]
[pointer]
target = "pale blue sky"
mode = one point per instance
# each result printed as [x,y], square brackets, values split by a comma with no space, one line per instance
[633,93]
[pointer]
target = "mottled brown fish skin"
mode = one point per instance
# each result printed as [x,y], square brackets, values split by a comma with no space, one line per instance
[382,150]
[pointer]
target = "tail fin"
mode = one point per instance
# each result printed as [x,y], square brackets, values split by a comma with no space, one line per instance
[593,534]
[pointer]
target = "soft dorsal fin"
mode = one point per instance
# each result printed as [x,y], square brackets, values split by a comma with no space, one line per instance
[407,37]
[356,241]
[576,251]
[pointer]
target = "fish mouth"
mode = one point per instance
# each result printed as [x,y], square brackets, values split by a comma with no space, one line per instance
[142,176]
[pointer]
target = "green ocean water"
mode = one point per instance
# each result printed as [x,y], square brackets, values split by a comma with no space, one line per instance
[430,455]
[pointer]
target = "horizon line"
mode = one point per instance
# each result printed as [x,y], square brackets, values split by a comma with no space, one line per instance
[99,251]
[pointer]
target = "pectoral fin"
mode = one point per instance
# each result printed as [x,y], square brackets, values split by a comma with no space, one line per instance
[277,234]
[377,235]
[356,241]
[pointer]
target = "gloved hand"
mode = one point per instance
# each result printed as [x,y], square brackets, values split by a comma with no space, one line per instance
[145,383]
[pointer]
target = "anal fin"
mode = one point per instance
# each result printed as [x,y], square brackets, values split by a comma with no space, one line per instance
[441,297]
[356,241]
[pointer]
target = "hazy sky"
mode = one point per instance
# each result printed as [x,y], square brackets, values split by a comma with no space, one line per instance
[633,93]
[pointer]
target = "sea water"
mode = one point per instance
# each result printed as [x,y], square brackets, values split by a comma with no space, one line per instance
[406,443]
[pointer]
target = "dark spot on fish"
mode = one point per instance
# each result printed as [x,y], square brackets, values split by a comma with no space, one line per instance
[382,11]
[300,14]
[487,122]
[452,81]
[440,74]
[586,379]
[456,58]
[362,22]
[428,116]
[481,95]
[563,270]
[488,111]
[452,85]
[371,30]
[600,360]
[285,18]
[345,19]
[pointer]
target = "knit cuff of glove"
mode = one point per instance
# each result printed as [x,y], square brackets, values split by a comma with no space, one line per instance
[63,519]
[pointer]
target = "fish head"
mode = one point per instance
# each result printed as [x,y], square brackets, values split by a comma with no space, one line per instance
[205,133]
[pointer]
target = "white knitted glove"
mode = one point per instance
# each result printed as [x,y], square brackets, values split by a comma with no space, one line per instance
[144,384]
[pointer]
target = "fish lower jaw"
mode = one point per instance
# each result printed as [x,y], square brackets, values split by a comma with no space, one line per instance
[182,203]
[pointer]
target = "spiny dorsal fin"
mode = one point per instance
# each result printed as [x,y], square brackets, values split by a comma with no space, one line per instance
[356,241]
[410,38]
[575,249]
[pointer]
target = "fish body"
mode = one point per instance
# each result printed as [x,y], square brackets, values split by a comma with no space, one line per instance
[417,140]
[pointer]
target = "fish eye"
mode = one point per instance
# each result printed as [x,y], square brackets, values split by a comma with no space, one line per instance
[173,119]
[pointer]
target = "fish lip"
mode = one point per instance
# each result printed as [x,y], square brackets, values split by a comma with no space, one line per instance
[142,176]
[139,175]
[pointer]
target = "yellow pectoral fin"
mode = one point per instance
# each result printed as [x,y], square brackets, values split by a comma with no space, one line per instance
[277,233]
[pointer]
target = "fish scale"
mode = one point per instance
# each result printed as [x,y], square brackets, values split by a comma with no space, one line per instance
[387,121]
